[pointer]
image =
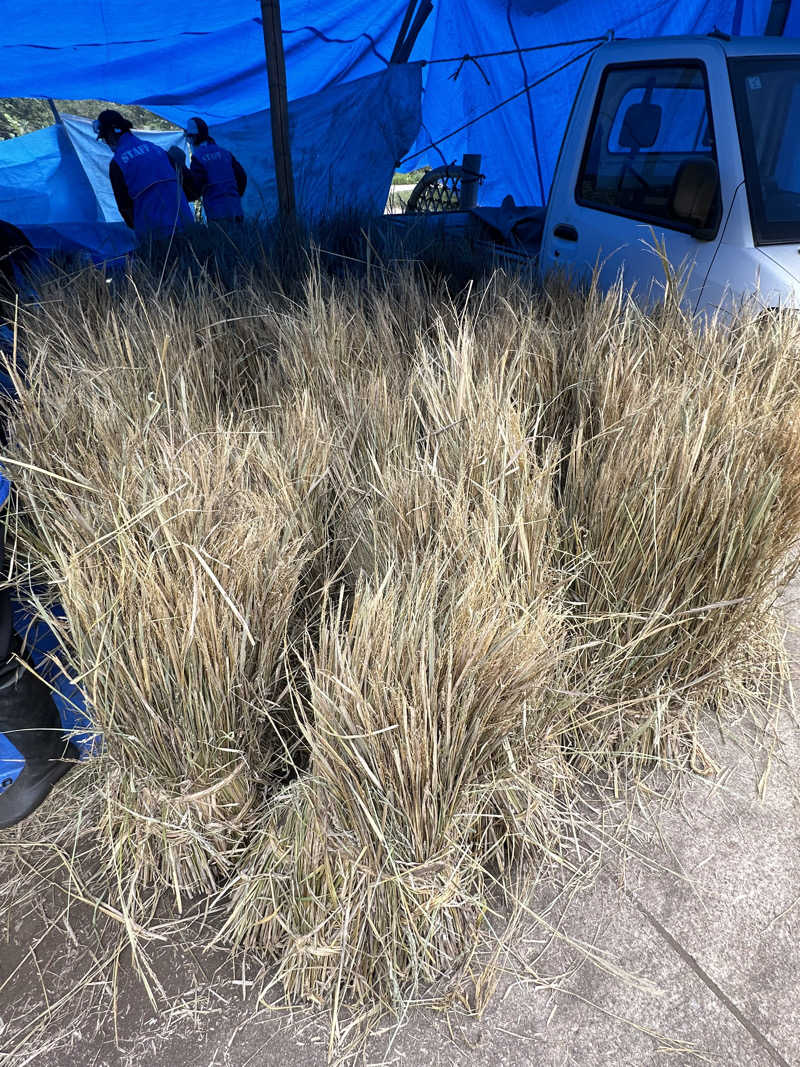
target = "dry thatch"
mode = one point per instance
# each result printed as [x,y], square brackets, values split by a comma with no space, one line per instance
[357,580]
[175,535]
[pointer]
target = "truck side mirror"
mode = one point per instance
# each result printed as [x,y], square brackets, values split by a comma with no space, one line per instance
[694,192]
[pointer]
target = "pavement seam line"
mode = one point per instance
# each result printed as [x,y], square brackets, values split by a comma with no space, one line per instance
[707,980]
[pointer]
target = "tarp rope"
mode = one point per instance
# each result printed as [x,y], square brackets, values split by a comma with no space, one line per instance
[468,57]
[515,96]
[335,40]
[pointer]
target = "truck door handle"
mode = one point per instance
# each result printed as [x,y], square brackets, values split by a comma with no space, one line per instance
[565,232]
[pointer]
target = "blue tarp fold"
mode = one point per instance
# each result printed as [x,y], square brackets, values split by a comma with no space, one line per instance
[182,60]
[345,141]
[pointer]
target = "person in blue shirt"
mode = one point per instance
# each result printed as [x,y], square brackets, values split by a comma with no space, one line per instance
[35,745]
[146,187]
[215,176]
[40,708]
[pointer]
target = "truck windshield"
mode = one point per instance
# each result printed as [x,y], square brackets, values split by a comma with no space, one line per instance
[766,95]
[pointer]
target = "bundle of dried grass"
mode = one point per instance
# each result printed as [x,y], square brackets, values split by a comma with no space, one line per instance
[425,556]
[176,537]
[679,498]
[433,749]
[430,760]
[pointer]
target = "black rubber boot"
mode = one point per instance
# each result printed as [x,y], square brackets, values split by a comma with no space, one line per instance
[30,728]
[30,721]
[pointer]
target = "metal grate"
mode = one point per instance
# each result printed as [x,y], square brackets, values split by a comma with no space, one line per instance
[437,191]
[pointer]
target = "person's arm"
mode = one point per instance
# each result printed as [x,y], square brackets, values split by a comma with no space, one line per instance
[121,194]
[198,176]
[190,186]
[240,174]
[178,160]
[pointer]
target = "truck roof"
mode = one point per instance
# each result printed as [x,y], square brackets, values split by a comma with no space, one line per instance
[735,47]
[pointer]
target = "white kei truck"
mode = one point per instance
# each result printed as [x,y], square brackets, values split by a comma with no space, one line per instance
[687,144]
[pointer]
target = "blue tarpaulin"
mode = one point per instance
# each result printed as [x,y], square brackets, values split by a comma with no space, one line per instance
[54,185]
[181,61]
[42,181]
[345,140]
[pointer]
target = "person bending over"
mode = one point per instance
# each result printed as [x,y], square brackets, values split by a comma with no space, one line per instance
[215,176]
[147,189]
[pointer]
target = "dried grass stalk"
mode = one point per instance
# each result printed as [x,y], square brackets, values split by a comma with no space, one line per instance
[176,540]
[549,530]
[431,760]
[433,751]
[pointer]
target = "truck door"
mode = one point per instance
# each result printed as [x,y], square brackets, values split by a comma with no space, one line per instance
[648,177]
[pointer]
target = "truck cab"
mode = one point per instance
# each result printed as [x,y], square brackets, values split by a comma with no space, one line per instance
[689,148]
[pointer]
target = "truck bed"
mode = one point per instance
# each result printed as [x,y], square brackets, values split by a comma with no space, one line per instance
[507,232]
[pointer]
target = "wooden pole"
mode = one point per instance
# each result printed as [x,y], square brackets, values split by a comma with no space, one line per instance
[470,181]
[278,105]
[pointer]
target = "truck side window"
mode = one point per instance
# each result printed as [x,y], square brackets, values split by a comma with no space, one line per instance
[650,121]
[766,98]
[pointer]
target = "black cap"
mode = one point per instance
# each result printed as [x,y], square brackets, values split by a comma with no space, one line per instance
[200,130]
[110,121]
